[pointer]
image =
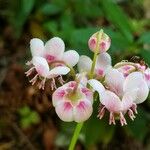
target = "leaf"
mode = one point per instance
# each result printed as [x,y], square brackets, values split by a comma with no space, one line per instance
[146,55]
[145,38]
[116,16]
[50,9]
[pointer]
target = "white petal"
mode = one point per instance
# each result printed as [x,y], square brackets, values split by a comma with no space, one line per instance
[97,86]
[55,47]
[147,76]
[82,111]
[128,99]
[135,80]
[111,101]
[84,64]
[58,96]
[114,80]
[65,111]
[71,57]
[103,61]
[60,70]
[37,47]
[41,65]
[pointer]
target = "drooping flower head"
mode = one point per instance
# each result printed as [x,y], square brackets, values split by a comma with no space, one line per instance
[73,102]
[50,61]
[121,95]
[103,41]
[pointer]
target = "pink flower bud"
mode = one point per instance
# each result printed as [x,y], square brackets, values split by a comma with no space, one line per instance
[104,42]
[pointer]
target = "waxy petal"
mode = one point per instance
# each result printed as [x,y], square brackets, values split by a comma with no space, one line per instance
[82,111]
[84,64]
[71,57]
[54,48]
[97,86]
[147,76]
[41,66]
[111,101]
[60,70]
[65,111]
[114,80]
[135,80]
[37,47]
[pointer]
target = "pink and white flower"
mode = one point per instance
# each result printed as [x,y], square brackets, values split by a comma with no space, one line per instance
[104,42]
[120,95]
[73,102]
[50,61]
[147,76]
[103,63]
[41,67]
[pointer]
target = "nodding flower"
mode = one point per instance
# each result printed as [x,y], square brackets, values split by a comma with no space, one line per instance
[50,60]
[120,95]
[73,102]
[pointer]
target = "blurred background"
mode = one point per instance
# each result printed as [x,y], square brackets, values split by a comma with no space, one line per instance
[27,118]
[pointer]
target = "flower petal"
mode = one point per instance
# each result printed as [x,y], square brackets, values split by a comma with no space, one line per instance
[55,48]
[84,64]
[82,111]
[60,70]
[71,57]
[135,80]
[97,86]
[114,80]
[111,101]
[128,99]
[37,47]
[58,96]
[65,111]
[41,65]
[147,76]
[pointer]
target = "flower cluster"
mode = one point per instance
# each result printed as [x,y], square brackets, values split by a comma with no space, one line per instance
[120,87]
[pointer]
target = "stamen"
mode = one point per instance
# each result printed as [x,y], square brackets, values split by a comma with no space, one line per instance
[131,114]
[101,113]
[61,80]
[53,84]
[112,119]
[34,79]
[42,84]
[29,71]
[134,108]
[122,119]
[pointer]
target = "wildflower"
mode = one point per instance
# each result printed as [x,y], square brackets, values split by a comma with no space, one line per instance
[147,76]
[73,102]
[49,59]
[120,95]
[103,63]
[43,71]
[104,42]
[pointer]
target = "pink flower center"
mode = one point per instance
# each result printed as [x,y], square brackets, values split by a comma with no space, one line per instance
[49,58]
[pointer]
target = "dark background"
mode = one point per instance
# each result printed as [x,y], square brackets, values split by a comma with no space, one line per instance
[27,118]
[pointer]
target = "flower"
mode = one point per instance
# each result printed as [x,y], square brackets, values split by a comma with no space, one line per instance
[43,71]
[103,39]
[73,102]
[120,95]
[50,60]
[103,63]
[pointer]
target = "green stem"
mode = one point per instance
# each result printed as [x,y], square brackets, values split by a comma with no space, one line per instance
[75,136]
[80,125]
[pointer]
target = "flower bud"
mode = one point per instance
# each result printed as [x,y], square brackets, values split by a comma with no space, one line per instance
[103,39]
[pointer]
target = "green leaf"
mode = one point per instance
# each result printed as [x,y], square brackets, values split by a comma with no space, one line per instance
[50,9]
[145,38]
[24,111]
[146,55]
[34,117]
[116,16]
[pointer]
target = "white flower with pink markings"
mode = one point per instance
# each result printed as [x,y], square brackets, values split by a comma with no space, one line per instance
[73,102]
[50,61]
[103,63]
[120,95]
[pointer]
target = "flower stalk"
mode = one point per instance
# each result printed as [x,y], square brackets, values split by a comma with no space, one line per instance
[80,125]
